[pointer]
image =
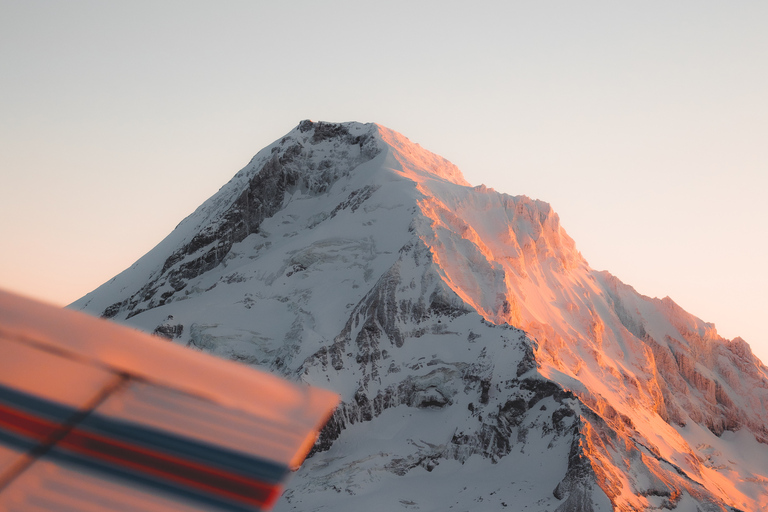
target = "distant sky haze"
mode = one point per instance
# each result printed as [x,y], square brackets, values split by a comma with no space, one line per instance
[643,124]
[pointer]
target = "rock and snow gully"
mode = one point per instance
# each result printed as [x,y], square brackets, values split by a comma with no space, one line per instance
[483,364]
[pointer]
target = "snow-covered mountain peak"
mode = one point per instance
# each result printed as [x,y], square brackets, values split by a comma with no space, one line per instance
[416,163]
[472,344]
[343,164]
[405,157]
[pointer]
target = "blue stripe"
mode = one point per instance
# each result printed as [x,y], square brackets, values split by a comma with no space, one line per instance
[16,442]
[151,484]
[37,406]
[150,438]
[184,448]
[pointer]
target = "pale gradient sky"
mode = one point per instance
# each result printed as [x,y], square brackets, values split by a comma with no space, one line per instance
[644,124]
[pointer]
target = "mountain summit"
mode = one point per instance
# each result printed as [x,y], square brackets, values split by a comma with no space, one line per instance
[482,363]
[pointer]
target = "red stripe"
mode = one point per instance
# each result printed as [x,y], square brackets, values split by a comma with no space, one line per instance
[188,473]
[182,471]
[26,424]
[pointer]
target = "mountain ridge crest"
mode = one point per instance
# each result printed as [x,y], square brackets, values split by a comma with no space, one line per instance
[346,256]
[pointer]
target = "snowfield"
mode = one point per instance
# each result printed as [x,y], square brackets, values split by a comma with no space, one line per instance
[482,364]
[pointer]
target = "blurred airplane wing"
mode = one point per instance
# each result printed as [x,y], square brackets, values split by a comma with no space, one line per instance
[95,416]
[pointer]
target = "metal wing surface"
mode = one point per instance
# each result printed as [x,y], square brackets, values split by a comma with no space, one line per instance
[96,416]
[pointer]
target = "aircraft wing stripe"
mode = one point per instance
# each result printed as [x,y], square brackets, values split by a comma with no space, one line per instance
[27,425]
[180,471]
[139,480]
[21,401]
[219,481]
[176,446]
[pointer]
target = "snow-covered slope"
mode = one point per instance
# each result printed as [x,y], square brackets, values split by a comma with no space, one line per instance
[483,364]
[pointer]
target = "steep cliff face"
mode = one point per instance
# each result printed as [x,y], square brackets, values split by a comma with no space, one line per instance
[703,377]
[644,366]
[482,362]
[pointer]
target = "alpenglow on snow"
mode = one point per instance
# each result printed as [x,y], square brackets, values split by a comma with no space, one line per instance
[482,364]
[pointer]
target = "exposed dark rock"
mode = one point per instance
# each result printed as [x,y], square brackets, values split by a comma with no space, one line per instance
[325,131]
[169,331]
[112,310]
[355,199]
[577,485]
[528,361]
[513,410]
[443,303]
[559,415]
[288,170]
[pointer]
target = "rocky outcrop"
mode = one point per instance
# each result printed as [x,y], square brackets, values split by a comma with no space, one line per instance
[464,332]
[169,331]
[292,166]
[701,376]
